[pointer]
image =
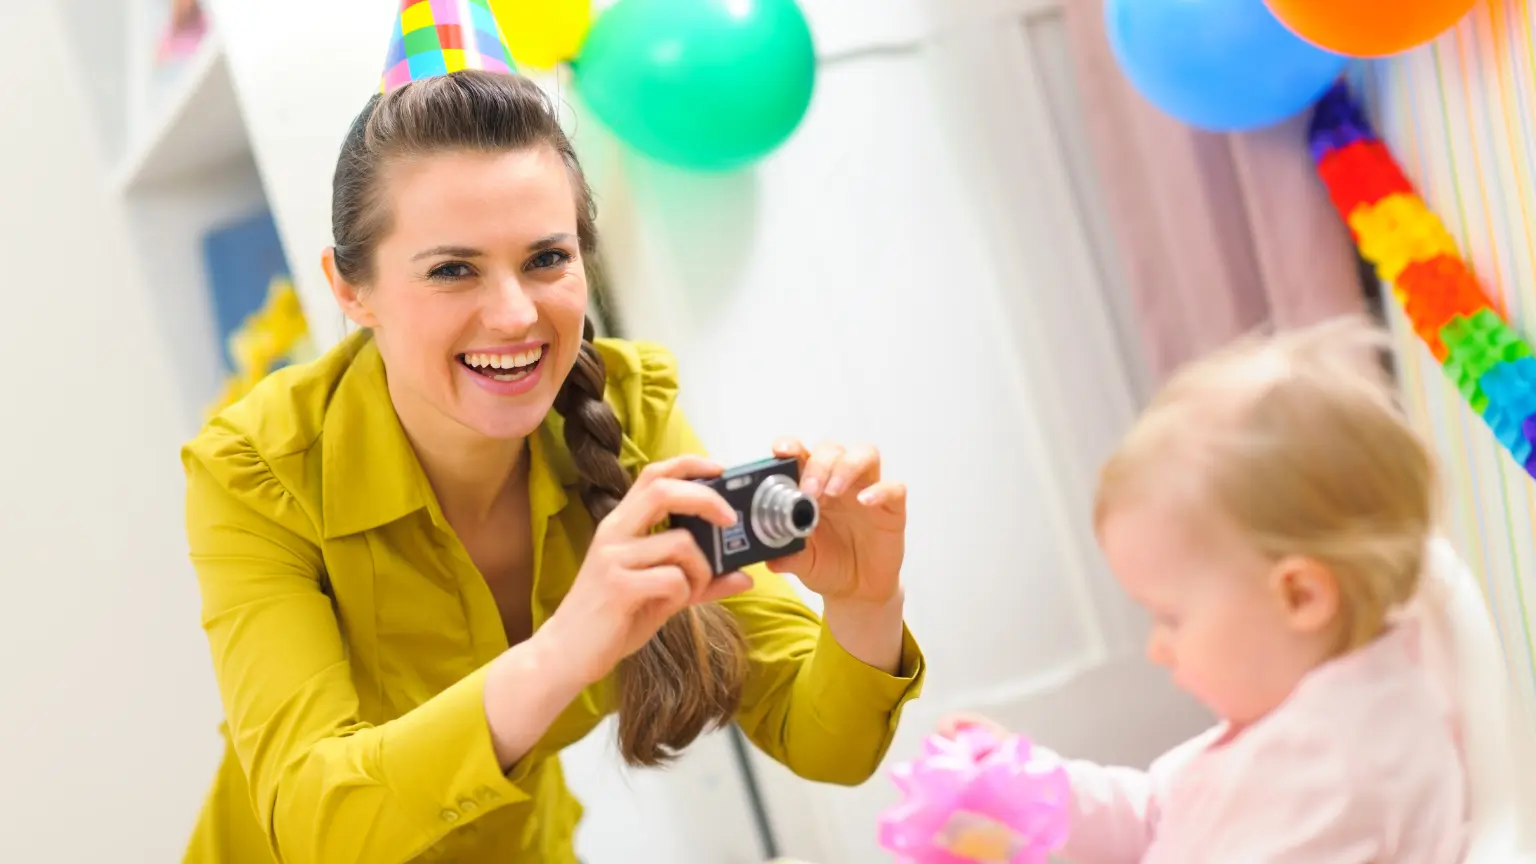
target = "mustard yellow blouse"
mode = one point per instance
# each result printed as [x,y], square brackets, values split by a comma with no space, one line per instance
[350,631]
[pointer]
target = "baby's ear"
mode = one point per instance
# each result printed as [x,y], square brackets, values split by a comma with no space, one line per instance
[1307,591]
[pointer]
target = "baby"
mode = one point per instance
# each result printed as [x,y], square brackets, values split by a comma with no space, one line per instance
[1271,511]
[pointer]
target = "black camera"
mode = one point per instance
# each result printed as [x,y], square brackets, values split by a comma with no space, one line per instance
[773,517]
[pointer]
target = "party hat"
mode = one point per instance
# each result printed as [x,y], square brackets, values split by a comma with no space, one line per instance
[436,37]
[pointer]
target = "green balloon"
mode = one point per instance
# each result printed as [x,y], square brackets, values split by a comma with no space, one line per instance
[709,85]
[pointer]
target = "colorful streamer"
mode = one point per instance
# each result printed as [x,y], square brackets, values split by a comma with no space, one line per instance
[1482,353]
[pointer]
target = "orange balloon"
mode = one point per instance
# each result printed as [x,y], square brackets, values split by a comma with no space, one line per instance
[1369,28]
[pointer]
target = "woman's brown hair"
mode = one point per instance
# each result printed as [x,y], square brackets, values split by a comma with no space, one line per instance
[689,677]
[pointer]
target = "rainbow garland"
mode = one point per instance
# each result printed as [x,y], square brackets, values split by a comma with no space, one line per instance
[1487,359]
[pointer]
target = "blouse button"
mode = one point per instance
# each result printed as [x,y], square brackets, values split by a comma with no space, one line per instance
[450,816]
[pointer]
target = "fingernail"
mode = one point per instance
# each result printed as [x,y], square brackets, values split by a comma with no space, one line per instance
[782,445]
[866,496]
[836,487]
[811,487]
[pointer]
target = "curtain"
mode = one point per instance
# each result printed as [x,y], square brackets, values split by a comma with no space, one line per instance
[1218,233]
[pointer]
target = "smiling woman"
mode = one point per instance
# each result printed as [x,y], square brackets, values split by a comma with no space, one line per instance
[429,560]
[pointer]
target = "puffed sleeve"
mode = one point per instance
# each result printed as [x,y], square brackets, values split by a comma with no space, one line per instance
[809,704]
[325,786]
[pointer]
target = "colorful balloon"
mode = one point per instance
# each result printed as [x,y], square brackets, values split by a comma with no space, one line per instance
[1369,28]
[1219,65]
[543,33]
[707,85]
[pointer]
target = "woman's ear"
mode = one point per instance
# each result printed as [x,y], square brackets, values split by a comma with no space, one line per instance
[347,295]
[1307,591]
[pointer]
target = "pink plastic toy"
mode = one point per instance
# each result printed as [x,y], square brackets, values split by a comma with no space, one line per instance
[976,799]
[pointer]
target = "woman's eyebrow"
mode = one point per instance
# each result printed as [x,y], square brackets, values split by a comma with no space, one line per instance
[450,251]
[551,240]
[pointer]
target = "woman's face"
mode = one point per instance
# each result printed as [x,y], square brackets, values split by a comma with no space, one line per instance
[479,290]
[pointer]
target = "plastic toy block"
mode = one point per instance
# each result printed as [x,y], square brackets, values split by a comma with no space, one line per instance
[1363,172]
[1528,430]
[1336,122]
[1475,345]
[1398,230]
[1434,291]
[1511,391]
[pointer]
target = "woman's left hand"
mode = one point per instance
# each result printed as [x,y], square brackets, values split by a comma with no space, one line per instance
[856,550]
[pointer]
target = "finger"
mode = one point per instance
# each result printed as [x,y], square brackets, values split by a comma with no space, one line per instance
[953,724]
[790,448]
[888,496]
[859,467]
[725,586]
[675,548]
[818,468]
[689,466]
[664,589]
[646,506]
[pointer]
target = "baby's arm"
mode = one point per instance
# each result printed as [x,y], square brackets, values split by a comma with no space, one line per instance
[1114,812]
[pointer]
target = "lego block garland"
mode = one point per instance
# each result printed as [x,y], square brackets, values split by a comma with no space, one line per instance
[1487,359]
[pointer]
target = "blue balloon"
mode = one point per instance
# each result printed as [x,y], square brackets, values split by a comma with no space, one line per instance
[1219,65]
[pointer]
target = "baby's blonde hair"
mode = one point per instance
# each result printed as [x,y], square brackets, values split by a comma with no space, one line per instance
[1294,439]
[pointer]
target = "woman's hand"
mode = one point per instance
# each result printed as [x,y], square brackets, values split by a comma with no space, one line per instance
[632,580]
[855,553]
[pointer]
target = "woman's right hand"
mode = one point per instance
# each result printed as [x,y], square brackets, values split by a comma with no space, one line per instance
[633,580]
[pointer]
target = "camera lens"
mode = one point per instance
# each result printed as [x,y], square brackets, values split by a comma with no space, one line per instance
[803,514]
[781,513]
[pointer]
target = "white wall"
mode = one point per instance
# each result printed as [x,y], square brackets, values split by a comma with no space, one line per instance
[108,714]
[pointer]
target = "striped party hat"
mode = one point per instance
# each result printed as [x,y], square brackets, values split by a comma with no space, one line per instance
[436,37]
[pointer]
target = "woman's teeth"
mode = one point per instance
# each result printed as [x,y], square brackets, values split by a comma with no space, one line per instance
[504,367]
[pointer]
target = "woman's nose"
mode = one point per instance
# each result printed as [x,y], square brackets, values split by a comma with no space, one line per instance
[509,307]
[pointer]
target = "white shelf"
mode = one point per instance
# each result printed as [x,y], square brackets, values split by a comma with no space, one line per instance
[196,126]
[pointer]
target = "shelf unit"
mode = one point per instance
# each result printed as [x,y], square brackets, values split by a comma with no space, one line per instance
[197,126]
[182,164]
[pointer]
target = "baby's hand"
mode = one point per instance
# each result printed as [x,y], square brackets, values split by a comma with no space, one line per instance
[952,724]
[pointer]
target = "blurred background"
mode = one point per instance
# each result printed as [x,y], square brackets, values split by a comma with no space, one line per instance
[980,247]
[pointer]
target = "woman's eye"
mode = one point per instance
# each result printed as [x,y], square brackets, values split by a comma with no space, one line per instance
[450,272]
[550,258]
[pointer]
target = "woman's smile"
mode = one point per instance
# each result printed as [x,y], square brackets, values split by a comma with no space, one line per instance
[508,370]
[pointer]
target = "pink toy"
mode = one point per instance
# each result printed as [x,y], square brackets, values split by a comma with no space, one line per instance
[976,799]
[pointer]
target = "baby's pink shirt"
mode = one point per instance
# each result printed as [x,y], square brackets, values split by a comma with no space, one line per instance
[1359,766]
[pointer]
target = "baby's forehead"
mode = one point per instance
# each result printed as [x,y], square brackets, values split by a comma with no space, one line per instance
[1166,542]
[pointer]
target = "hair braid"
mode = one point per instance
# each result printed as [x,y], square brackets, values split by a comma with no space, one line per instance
[689,676]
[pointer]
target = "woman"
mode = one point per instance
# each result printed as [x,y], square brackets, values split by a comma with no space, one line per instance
[427,559]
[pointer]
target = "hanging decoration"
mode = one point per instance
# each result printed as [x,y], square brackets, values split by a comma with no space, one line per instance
[709,85]
[974,798]
[1362,29]
[1489,361]
[1218,65]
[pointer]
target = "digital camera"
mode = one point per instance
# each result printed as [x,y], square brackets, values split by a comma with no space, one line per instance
[773,517]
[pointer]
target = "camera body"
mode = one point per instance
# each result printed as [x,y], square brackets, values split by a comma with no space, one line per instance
[773,517]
